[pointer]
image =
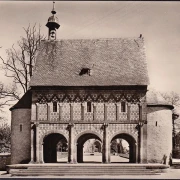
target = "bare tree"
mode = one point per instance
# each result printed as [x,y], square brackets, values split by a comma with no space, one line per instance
[21,59]
[172,97]
[7,95]
[5,137]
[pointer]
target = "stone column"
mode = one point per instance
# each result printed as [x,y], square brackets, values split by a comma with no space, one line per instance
[82,111]
[71,150]
[37,143]
[128,111]
[105,152]
[41,153]
[32,144]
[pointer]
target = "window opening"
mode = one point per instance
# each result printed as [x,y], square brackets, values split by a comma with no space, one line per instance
[20,127]
[156,123]
[85,71]
[123,106]
[89,109]
[54,106]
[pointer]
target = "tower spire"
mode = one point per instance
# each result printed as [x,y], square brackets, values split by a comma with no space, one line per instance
[52,24]
[53,10]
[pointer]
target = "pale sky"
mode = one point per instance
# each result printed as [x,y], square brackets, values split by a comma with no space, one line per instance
[158,22]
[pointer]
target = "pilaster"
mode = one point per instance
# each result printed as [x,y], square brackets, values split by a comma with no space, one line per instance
[60,112]
[82,111]
[94,111]
[128,112]
[117,111]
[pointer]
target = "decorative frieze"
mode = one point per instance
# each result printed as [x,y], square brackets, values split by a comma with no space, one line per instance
[83,96]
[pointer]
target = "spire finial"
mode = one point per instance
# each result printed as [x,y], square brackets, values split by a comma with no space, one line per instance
[53,10]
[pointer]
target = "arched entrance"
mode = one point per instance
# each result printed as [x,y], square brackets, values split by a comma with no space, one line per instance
[123,146]
[55,146]
[90,140]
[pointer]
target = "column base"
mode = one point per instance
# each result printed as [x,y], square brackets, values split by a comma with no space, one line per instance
[32,162]
[72,162]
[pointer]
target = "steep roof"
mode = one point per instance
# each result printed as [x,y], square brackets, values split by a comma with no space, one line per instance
[24,102]
[155,99]
[113,62]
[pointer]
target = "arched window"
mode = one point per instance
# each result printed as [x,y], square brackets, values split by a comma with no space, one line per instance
[54,106]
[123,106]
[89,107]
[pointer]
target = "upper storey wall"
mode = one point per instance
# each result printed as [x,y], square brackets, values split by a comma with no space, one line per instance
[88,106]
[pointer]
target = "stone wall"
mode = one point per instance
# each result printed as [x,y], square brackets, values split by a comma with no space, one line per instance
[20,136]
[159,134]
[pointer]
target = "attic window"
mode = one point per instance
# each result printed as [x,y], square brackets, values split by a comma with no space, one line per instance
[85,71]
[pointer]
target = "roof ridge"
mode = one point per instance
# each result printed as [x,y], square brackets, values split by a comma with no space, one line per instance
[124,38]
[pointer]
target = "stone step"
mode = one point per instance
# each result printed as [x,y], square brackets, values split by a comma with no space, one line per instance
[86,170]
[80,174]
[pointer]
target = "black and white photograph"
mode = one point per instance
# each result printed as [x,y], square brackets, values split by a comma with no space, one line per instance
[90,89]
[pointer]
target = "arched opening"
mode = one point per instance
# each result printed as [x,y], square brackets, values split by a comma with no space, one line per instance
[123,149]
[89,148]
[55,148]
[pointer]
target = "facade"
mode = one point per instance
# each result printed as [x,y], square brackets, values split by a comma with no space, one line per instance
[90,89]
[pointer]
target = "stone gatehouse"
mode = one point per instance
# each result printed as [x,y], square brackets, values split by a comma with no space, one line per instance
[90,88]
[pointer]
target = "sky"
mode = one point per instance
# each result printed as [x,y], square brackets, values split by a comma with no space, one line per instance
[158,22]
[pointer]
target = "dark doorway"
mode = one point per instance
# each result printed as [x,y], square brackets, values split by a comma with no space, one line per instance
[89,149]
[123,149]
[55,146]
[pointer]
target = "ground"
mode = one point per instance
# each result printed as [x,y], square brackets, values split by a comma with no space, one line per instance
[96,157]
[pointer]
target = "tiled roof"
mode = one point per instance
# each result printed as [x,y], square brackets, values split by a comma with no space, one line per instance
[156,99]
[24,102]
[113,62]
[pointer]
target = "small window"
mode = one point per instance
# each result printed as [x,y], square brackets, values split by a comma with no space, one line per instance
[54,106]
[123,106]
[89,107]
[85,71]
[20,126]
[156,123]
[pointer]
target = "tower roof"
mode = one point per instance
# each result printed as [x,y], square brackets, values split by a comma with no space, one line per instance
[91,62]
[53,20]
[156,99]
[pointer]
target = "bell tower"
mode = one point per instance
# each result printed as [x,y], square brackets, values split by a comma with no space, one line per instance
[52,25]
